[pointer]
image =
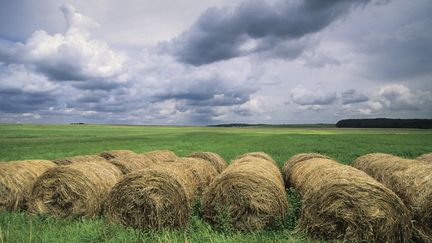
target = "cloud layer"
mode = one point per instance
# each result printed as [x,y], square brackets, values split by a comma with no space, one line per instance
[276,28]
[272,61]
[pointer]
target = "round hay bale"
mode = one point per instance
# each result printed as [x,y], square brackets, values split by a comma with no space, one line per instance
[410,180]
[112,154]
[132,162]
[150,199]
[16,181]
[162,155]
[339,202]
[249,193]
[200,172]
[80,158]
[425,158]
[214,159]
[160,196]
[78,189]
[297,159]
[260,155]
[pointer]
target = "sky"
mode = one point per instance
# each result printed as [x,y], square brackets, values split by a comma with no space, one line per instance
[215,61]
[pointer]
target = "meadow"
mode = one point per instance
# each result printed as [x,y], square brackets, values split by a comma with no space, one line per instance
[55,141]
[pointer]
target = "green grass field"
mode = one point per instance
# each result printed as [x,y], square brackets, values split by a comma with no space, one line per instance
[54,141]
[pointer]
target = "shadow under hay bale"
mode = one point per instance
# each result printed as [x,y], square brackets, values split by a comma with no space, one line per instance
[80,158]
[112,154]
[161,155]
[411,180]
[339,202]
[78,189]
[217,161]
[250,192]
[16,181]
[161,196]
[425,158]
[132,162]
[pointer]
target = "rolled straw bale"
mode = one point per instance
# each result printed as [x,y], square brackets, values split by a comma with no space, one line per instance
[425,158]
[16,181]
[78,189]
[132,162]
[160,196]
[201,172]
[111,154]
[411,180]
[151,199]
[339,202]
[217,161]
[249,193]
[80,158]
[260,155]
[162,155]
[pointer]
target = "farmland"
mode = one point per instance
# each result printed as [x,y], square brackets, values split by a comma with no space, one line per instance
[54,141]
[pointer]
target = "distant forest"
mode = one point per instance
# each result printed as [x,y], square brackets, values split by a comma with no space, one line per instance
[386,123]
[354,123]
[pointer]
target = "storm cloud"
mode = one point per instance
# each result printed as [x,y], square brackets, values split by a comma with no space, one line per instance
[256,27]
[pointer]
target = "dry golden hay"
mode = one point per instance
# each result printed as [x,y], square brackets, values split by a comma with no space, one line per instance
[339,202]
[411,180]
[425,158]
[16,181]
[249,194]
[78,189]
[160,196]
[161,155]
[80,158]
[199,172]
[260,155]
[112,154]
[150,199]
[297,159]
[217,161]
[132,162]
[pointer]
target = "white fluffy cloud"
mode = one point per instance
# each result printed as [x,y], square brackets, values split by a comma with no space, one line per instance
[72,56]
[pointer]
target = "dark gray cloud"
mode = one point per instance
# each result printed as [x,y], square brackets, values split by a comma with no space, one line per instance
[221,33]
[213,92]
[19,101]
[353,96]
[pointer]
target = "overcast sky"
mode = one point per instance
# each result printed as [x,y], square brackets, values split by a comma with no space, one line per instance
[214,61]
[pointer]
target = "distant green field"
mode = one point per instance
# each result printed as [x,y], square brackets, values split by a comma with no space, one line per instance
[55,141]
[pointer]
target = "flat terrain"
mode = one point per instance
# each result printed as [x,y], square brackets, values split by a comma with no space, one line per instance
[54,141]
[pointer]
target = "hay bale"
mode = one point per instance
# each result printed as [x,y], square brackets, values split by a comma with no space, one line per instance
[425,158]
[112,154]
[162,155]
[16,181]
[260,155]
[150,199]
[161,196]
[80,158]
[217,161]
[200,172]
[249,193]
[132,162]
[410,180]
[339,202]
[78,189]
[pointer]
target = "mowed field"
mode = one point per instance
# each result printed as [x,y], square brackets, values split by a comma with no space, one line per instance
[19,142]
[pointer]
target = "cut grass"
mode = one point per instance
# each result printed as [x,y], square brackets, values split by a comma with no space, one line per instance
[56,141]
